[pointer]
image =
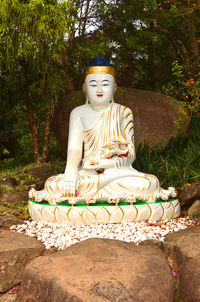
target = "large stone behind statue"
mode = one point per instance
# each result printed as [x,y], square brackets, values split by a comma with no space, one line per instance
[154,116]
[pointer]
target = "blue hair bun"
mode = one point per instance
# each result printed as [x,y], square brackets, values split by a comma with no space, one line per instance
[99,61]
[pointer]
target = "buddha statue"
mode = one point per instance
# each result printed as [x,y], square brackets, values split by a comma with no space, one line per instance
[101,150]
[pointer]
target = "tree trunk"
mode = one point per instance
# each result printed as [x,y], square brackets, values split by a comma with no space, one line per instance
[47,132]
[82,34]
[69,82]
[35,133]
[194,42]
[152,67]
[85,17]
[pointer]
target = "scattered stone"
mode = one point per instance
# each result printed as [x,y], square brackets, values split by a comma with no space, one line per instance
[16,197]
[7,220]
[188,194]
[9,182]
[150,128]
[99,270]
[16,250]
[194,210]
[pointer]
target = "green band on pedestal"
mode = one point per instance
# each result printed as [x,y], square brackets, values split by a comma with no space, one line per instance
[102,203]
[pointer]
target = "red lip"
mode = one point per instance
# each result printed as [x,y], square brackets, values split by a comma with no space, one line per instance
[99,95]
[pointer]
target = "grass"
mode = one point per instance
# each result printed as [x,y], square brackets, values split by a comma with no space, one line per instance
[178,163]
[4,189]
[19,210]
[24,180]
[19,172]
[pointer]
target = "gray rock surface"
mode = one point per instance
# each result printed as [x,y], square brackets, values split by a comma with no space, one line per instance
[16,250]
[150,127]
[99,270]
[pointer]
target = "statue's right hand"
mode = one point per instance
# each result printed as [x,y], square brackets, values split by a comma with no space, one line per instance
[70,183]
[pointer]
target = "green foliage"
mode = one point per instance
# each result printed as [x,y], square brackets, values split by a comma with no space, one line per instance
[146,36]
[26,144]
[185,86]
[178,163]
[32,43]
[56,152]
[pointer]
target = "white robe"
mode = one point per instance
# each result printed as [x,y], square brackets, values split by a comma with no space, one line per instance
[114,127]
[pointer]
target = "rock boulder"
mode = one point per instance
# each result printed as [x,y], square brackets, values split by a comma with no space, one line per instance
[42,172]
[16,250]
[99,270]
[6,220]
[189,280]
[189,193]
[15,197]
[184,247]
[154,116]
[8,182]
[194,210]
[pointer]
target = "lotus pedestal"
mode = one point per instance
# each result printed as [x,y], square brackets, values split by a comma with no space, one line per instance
[100,212]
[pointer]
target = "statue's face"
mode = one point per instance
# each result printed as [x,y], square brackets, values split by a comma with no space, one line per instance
[99,89]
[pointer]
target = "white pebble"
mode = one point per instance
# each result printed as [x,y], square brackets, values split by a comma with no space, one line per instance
[53,235]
